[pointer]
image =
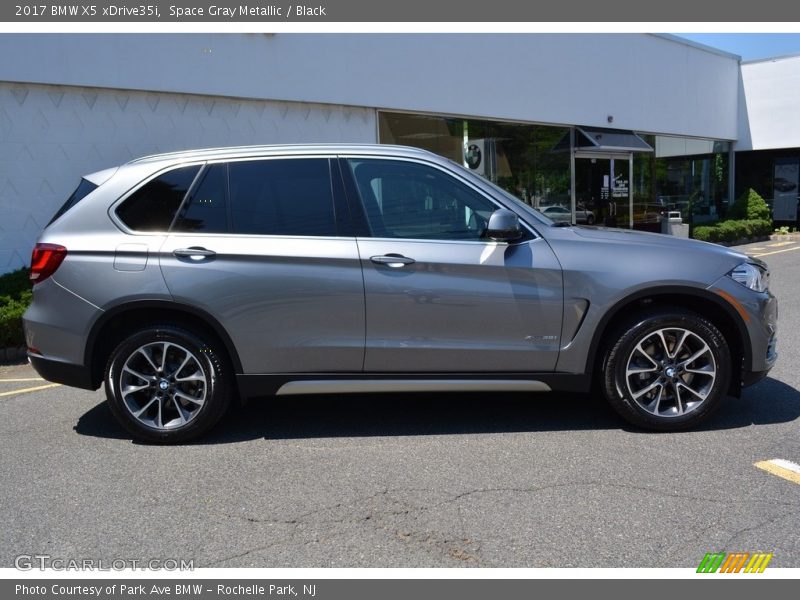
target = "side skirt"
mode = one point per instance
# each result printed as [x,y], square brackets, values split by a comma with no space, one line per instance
[289,384]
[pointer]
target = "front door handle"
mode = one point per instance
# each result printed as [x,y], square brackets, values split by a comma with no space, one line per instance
[394,261]
[195,253]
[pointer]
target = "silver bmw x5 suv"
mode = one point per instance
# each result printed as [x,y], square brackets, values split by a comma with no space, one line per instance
[185,280]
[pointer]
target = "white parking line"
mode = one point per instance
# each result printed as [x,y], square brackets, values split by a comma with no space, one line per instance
[21,380]
[30,389]
[776,251]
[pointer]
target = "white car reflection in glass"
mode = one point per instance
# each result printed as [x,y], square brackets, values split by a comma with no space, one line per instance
[561,213]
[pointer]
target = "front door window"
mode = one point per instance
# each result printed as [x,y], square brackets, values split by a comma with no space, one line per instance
[412,201]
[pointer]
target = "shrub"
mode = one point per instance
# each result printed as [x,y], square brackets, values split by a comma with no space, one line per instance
[704,233]
[731,231]
[750,206]
[14,283]
[15,296]
[11,311]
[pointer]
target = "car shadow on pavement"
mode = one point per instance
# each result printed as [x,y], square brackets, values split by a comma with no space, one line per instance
[769,401]
[298,417]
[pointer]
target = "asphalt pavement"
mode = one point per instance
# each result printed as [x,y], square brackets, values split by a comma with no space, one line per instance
[446,480]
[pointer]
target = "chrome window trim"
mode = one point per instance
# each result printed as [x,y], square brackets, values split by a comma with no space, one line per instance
[327,155]
[458,242]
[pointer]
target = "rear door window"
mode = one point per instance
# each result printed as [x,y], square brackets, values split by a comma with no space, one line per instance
[206,209]
[290,196]
[153,206]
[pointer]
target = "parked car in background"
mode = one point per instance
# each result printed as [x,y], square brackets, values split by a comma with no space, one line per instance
[562,214]
[649,212]
[184,281]
[781,184]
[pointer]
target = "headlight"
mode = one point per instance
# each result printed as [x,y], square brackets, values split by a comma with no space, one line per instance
[751,276]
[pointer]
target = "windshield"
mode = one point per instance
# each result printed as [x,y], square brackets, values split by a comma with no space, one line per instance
[481,182]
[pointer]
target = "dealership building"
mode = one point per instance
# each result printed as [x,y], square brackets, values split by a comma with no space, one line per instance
[608,129]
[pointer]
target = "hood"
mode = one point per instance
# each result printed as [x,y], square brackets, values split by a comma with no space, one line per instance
[631,258]
[635,238]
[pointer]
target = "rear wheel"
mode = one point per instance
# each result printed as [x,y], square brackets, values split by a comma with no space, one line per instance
[166,384]
[668,369]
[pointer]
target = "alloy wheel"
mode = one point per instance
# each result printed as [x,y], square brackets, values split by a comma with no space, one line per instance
[163,385]
[670,372]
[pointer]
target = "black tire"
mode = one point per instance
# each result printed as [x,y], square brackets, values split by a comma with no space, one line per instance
[187,420]
[675,382]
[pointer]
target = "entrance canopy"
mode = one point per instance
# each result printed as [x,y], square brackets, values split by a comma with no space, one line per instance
[602,139]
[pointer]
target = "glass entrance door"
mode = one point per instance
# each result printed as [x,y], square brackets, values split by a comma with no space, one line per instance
[602,190]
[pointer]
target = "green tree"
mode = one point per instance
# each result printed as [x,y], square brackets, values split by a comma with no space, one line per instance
[750,206]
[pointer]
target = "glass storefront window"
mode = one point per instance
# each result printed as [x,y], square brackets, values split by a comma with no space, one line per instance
[440,135]
[532,162]
[775,176]
[522,159]
[685,174]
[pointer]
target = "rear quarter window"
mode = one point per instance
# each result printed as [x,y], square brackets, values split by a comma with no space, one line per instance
[85,187]
[153,206]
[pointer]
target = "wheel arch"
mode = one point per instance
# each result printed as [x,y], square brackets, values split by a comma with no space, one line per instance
[704,302]
[109,330]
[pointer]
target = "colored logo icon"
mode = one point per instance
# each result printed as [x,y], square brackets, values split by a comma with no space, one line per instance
[734,562]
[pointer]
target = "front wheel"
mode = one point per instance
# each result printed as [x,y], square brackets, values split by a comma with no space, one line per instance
[165,384]
[668,369]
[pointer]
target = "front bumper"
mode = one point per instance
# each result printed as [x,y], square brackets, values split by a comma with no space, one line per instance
[758,324]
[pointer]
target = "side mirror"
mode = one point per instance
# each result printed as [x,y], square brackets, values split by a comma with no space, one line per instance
[503,226]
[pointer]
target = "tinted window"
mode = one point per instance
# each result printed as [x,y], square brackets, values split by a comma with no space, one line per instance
[409,200]
[85,187]
[152,207]
[206,209]
[282,197]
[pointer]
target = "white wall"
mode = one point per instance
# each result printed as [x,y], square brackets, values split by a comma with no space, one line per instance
[51,135]
[647,82]
[769,115]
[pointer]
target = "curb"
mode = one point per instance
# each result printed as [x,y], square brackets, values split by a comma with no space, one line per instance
[13,354]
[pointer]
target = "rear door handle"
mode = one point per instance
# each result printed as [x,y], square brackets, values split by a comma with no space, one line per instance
[195,253]
[395,261]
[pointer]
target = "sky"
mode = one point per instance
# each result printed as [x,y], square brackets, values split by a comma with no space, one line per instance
[750,46]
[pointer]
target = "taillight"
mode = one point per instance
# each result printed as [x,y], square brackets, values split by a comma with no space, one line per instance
[45,259]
